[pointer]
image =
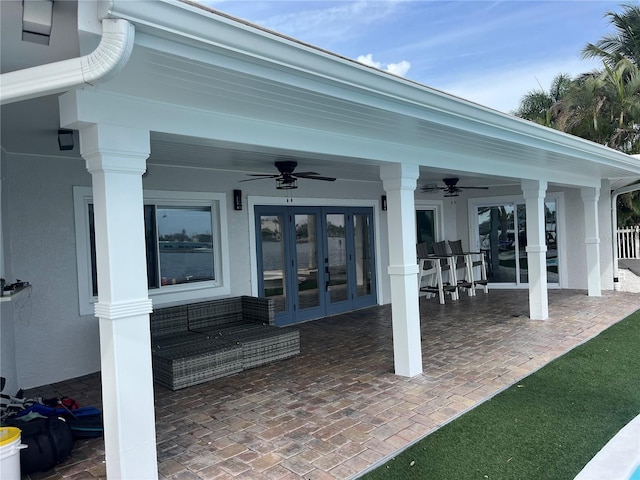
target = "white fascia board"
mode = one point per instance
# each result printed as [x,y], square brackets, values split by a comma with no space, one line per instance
[81,107]
[186,23]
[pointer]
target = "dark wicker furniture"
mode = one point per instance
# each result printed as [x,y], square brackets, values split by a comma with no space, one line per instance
[198,342]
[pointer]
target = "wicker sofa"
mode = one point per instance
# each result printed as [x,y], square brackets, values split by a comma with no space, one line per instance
[198,342]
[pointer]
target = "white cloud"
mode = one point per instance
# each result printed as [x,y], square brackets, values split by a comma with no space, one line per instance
[368,60]
[401,68]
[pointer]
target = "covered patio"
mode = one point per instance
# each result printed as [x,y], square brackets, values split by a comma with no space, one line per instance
[338,409]
[170,106]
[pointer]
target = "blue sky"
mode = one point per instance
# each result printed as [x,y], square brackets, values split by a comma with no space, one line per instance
[490,52]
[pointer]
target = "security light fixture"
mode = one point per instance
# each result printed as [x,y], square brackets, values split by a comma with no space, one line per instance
[237,199]
[383,202]
[65,139]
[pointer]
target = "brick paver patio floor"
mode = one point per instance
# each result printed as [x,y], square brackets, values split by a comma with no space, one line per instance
[337,409]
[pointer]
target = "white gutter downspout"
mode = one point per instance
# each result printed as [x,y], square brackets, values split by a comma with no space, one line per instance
[614,227]
[103,63]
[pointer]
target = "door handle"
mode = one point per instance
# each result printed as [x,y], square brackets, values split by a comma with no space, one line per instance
[327,276]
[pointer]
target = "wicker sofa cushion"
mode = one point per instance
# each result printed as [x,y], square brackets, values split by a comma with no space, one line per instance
[169,320]
[177,340]
[191,364]
[215,312]
[265,344]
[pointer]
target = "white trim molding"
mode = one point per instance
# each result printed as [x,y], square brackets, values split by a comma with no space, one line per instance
[168,294]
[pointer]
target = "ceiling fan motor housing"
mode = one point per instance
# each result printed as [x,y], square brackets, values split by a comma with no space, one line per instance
[286,166]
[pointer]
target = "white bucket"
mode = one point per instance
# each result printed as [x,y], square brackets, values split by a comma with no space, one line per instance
[10,447]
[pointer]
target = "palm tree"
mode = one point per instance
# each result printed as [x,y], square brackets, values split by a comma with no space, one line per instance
[602,106]
[624,43]
[538,105]
[628,206]
[621,85]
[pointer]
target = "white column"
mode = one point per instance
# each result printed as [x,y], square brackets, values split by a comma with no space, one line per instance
[590,197]
[534,192]
[399,182]
[116,158]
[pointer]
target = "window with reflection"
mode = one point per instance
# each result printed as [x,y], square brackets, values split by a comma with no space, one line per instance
[179,245]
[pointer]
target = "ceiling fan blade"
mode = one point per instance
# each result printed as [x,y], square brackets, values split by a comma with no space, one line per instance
[473,188]
[315,177]
[432,189]
[287,175]
[258,177]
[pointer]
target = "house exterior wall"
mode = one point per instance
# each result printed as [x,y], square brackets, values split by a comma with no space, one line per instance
[39,244]
[575,239]
[53,342]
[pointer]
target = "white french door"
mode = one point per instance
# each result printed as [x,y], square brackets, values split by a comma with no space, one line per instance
[315,261]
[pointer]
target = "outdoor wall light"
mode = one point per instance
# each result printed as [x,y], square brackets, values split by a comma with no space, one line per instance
[65,139]
[237,199]
[383,202]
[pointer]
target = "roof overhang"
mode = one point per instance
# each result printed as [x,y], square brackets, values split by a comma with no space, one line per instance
[206,55]
[218,82]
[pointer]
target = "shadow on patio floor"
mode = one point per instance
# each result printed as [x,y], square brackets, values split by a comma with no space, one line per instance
[337,409]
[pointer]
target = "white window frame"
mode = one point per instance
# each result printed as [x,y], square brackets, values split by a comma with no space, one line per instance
[558,197]
[164,294]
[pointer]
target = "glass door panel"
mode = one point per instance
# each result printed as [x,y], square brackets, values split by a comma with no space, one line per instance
[362,252]
[273,260]
[503,238]
[336,257]
[497,240]
[315,261]
[307,261]
[425,228]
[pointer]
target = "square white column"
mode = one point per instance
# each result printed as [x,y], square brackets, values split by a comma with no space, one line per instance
[590,197]
[116,158]
[534,192]
[399,182]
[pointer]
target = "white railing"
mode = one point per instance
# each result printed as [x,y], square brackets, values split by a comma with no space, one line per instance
[629,242]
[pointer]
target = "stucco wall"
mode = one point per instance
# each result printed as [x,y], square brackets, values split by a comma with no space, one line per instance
[53,341]
[575,238]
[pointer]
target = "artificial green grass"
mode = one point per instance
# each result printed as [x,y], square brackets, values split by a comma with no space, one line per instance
[547,427]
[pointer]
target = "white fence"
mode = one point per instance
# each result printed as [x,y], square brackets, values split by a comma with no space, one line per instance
[629,242]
